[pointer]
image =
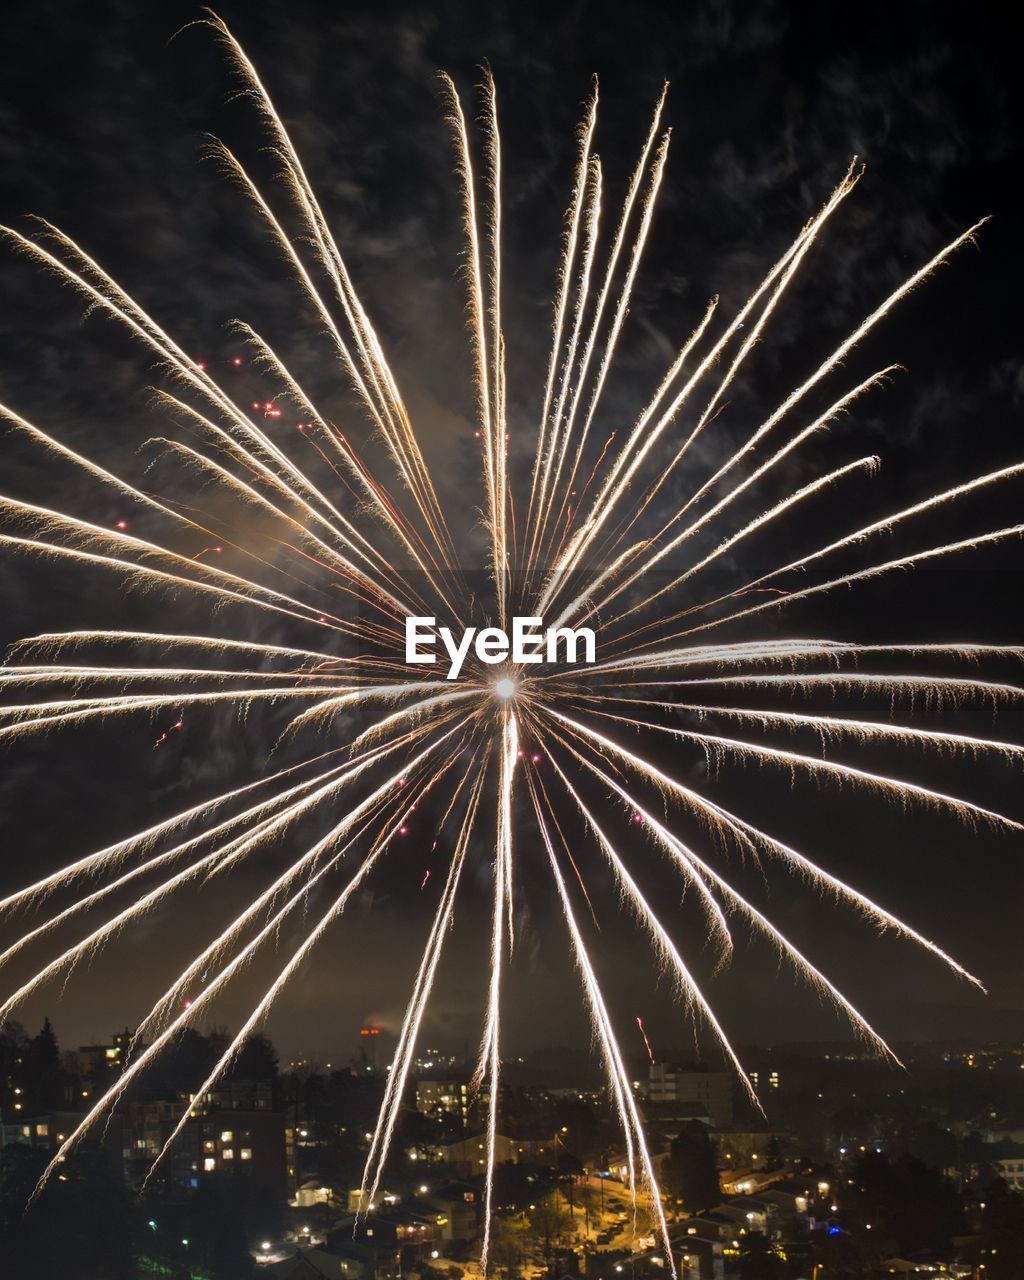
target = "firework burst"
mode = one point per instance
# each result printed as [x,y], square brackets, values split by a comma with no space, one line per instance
[611,532]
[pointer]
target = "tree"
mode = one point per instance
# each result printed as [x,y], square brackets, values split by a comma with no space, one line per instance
[82,1224]
[904,1200]
[932,1144]
[550,1225]
[689,1173]
[848,1257]
[508,1247]
[180,1068]
[999,1244]
[255,1061]
[760,1259]
[774,1157]
[44,1078]
[517,1186]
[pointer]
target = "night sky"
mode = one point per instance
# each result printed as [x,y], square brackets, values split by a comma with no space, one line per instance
[103,118]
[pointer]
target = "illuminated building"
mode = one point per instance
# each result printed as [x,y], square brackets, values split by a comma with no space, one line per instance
[712,1090]
[443,1099]
[100,1064]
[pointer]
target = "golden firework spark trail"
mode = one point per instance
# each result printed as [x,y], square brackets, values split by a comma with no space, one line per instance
[398,1077]
[668,951]
[901,788]
[328,552]
[233,850]
[565,269]
[794,398]
[478,312]
[629,1112]
[366,339]
[648,205]
[114,855]
[668,784]
[559,427]
[387,808]
[801,963]
[644,437]
[188,1014]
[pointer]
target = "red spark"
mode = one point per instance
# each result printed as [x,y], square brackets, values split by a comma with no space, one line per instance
[426,877]
[122,524]
[178,724]
[237,361]
[647,1043]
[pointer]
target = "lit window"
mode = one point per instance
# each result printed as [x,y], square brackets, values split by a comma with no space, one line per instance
[209,1145]
[228,1154]
[42,1130]
[209,1164]
[227,1136]
[246,1153]
[111,1053]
